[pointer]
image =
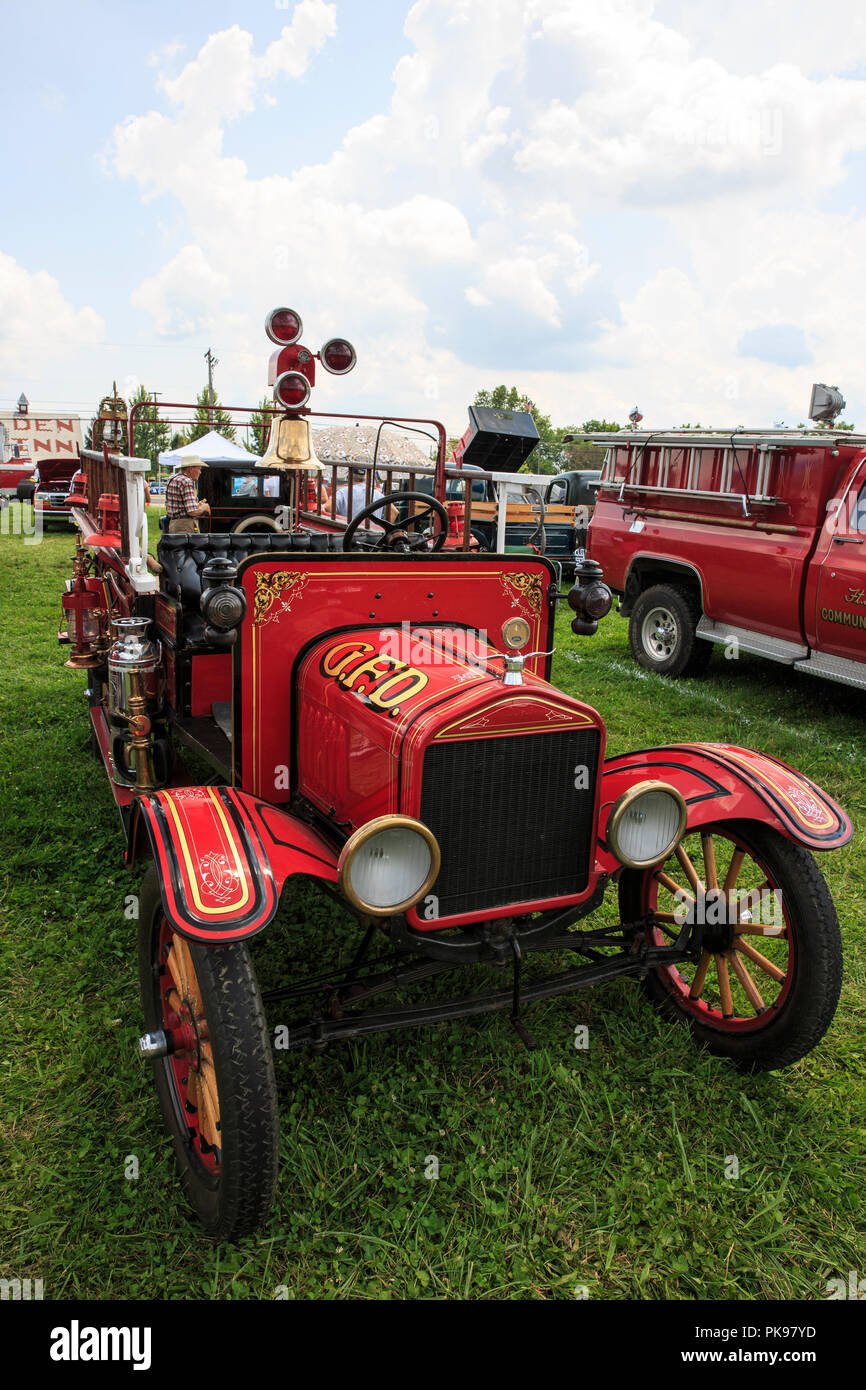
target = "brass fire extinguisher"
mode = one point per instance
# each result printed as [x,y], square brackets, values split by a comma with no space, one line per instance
[140,748]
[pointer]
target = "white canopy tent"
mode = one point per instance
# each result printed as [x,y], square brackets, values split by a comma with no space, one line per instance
[211,448]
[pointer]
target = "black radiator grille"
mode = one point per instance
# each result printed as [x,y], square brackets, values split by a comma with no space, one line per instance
[510,822]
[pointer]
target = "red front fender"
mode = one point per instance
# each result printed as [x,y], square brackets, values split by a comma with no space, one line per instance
[722,782]
[223,857]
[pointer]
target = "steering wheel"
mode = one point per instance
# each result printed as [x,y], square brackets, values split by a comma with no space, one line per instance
[395,535]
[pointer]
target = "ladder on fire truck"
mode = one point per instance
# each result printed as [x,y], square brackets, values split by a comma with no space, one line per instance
[651,456]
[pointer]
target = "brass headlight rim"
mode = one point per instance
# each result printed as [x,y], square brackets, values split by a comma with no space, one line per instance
[359,838]
[625,801]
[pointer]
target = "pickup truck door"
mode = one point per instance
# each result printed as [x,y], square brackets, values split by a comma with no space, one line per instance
[840,620]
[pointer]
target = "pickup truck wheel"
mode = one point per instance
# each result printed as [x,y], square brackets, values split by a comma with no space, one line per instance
[216,1088]
[662,632]
[767,983]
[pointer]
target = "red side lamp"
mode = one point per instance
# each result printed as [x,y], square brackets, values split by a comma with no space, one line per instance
[108,534]
[82,605]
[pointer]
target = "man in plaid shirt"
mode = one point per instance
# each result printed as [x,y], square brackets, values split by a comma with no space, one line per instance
[182,506]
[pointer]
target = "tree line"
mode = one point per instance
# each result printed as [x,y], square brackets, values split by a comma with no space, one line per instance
[153,435]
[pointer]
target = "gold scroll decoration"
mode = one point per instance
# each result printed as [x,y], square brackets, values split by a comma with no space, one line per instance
[269,587]
[525,586]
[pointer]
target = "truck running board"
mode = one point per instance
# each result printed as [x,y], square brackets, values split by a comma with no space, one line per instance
[834,668]
[758,643]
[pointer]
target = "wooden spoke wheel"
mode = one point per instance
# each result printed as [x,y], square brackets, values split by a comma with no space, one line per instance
[216,1086]
[767,983]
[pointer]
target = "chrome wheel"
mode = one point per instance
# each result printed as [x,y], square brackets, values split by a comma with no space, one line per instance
[660,634]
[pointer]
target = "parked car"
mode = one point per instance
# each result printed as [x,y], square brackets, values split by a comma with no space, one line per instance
[52,491]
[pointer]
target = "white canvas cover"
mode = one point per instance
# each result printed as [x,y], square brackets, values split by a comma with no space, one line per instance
[211,448]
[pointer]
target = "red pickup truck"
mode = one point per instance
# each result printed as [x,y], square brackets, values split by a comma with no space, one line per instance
[754,539]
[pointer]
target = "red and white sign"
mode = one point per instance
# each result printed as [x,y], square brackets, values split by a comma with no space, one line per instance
[45,437]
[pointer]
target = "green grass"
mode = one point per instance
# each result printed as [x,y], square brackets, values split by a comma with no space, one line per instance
[558,1168]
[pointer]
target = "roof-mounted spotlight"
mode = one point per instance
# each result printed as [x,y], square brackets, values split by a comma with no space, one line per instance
[337,356]
[291,390]
[284,326]
[827,402]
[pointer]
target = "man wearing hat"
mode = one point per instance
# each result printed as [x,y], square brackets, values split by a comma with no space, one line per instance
[182,506]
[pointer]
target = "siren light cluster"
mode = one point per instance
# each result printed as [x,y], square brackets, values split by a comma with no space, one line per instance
[292,367]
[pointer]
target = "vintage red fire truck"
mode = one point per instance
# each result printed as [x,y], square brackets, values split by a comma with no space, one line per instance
[750,538]
[377,713]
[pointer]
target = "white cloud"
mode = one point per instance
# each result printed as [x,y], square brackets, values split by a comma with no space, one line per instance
[656,123]
[220,81]
[475,297]
[477,193]
[185,295]
[312,23]
[748,37]
[676,347]
[36,323]
[421,227]
[223,78]
[164,54]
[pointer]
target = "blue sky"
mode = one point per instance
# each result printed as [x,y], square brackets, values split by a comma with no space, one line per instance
[608,204]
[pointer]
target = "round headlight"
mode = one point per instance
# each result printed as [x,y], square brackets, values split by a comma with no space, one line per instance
[388,864]
[646,824]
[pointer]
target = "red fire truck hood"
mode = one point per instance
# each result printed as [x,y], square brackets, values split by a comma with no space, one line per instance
[371,701]
[393,675]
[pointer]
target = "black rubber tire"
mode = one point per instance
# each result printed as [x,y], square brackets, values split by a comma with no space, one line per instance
[799,1023]
[688,654]
[480,537]
[239,1198]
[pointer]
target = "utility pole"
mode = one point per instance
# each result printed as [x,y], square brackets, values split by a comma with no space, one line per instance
[211,363]
[154,461]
